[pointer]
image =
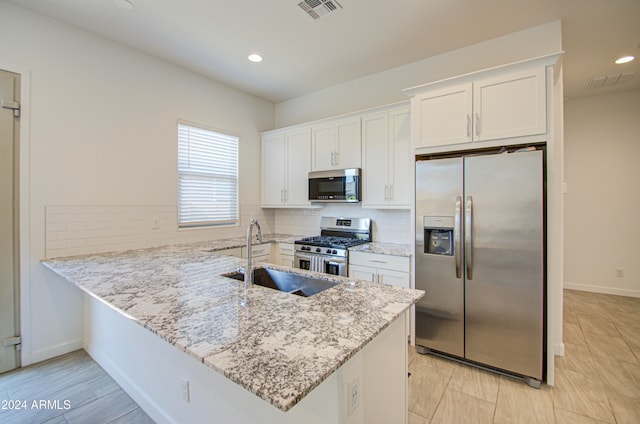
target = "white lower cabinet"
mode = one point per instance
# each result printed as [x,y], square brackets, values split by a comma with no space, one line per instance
[379,268]
[259,253]
[284,254]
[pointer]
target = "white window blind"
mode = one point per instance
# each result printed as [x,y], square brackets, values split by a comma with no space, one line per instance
[207,177]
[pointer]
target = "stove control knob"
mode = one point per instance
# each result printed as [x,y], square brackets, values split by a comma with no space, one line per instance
[334,252]
[318,249]
[329,250]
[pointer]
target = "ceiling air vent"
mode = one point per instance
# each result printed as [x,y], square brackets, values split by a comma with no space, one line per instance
[318,8]
[610,81]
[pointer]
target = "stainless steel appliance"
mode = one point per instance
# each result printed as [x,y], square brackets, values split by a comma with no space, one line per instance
[480,258]
[339,185]
[328,252]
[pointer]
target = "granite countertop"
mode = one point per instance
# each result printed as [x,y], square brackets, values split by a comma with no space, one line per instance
[280,347]
[383,248]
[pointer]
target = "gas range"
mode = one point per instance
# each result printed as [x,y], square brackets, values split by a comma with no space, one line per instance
[328,252]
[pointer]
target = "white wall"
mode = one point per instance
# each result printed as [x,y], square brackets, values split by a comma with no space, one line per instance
[602,229]
[386,87]
[99,128]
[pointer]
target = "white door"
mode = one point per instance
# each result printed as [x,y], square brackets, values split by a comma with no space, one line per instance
[400,190]
[348,144]
[323,147]
[375,128]
[9,132]
[298,166]
[444,116]
[510,105]
[273,165]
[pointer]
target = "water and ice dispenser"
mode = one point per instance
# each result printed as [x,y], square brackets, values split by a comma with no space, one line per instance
[438,235]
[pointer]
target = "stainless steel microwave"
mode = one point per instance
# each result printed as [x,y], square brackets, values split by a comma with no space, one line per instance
[339,185]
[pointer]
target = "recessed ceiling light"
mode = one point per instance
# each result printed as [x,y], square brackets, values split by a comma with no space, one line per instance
[624,59]
[255,57]
[124,4]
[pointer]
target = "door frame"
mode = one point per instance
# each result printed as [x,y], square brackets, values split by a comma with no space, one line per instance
[24,215]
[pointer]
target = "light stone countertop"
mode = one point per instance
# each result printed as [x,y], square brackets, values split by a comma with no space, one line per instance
[280,347]
[383,248]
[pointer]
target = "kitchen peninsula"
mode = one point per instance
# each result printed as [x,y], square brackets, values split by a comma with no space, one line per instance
[336,357]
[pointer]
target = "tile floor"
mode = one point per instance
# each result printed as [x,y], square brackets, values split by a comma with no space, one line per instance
[92,395]
[597,381]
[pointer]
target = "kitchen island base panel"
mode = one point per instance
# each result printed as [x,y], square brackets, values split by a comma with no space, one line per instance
[154,373]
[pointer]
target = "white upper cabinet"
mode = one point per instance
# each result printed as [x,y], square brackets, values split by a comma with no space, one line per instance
[444,116]
[286,162]
[512,105]
[336,144]
[386,157]
[504,106]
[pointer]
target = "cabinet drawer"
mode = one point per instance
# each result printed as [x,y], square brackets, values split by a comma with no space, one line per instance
[261,250]
[396,263]
[285,248]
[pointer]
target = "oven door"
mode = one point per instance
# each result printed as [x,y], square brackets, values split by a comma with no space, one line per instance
[334,265]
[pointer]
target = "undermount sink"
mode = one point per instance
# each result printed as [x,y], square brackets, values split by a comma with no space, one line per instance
[288,282]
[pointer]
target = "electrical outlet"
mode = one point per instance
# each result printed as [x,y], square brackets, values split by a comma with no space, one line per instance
[619,272]
[184,390]
[354,395]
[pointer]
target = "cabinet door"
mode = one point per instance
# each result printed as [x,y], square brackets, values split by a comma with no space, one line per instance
[510,105]
[273,167]
[400,184]
[323,150]
[375,152]
[394,278]
[348,144]
[359,272]
[444,116]
[298,165]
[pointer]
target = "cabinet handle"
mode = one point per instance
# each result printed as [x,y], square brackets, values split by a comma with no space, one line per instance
[281,196]
[386,192]
[477,125]
[390,191]
[468,125]
[337,158]
[377,261]
[286,195]
[333,160]
[380,278]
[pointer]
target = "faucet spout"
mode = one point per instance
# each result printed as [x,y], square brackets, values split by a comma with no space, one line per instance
[248,272]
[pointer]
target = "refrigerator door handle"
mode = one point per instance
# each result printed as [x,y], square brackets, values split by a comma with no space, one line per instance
[457,240]
[468,238]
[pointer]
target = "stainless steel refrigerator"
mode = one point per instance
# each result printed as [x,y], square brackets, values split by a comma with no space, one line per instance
[480,258]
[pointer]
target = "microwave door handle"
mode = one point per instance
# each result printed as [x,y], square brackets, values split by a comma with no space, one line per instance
[457,237]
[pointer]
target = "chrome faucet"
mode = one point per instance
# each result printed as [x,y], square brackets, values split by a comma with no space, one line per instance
[248,272]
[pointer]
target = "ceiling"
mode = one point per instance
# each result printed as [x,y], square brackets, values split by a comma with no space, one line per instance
[214,37]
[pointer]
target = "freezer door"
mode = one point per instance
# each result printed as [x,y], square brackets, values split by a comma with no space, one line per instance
[440,313]
[504,291]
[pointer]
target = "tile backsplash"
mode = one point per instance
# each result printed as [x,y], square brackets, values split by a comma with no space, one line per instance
[86,229]
[389,225]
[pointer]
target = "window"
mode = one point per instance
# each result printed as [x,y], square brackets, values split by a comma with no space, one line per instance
[207,177]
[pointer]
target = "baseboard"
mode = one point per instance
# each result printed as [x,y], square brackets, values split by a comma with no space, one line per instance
[150,407]
[600,289]
[50,352]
